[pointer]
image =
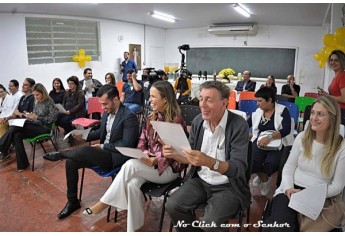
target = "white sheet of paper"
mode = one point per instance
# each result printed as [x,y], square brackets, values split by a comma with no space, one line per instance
[172,134]
[83,132]
[88,84]
[16,122]
[131,152]
[309,201]
[60,108]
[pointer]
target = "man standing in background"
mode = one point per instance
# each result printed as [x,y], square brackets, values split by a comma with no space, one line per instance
[126,65]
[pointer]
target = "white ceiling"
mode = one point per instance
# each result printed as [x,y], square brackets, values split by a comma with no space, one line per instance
[189,15]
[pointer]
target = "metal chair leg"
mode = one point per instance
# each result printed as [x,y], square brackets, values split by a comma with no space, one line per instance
[33,157]
[81,184]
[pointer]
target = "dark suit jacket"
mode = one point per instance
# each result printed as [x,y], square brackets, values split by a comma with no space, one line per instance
[249,87]
[124,132]
[96,82]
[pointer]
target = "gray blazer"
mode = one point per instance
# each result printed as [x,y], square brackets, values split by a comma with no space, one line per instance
[124,132]
[236,139]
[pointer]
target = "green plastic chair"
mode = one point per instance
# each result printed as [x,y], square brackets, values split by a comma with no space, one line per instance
[41,139]
[302,103]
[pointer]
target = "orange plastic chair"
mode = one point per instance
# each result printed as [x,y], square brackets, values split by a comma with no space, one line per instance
[232,103]
[233,94]
[119,86]
[93,106]
[246,95]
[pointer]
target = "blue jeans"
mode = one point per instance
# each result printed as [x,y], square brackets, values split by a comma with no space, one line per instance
[134,107]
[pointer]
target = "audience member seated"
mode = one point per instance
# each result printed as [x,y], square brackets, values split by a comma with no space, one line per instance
[317,157]
[246,84]
[291,90]
[109,78]
[26,104]
[219,142]
[124,193]
[13,87]
[183,87]
[38,122]
[74,104]
[271,83]
[6,109]
[269,116]
[132,93]
[119,128]
[58,92]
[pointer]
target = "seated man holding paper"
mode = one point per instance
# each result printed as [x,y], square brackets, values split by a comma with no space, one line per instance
[72,107]
[219,142]
[317,157]
[124,193]
[119,128]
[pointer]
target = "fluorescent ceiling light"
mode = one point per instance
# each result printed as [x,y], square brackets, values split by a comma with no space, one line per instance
[241,9]
[162,16]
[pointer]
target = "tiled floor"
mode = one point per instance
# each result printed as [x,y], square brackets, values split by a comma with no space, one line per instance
[30,201]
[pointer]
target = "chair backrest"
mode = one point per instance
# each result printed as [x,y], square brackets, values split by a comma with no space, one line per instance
[247,95]
[282,98]
[306,114]
[232,103]
[233,94]
[119,85]
[189,112]
[248,106]
[94,106]
[312,95]
[241,113]
[293,109]
[303,102]
[105,173]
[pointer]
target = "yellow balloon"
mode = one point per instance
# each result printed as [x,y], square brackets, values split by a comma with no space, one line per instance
[340,34]
[323,50]
[322,64]
[81,52]
[88,58]
[329,40]
[328,52]
[75,58]
[82,63]
[317,56]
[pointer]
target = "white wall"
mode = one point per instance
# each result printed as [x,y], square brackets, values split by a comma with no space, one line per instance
[308,40]
[14,60]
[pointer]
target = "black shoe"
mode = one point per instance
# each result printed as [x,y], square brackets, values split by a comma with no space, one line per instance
[68,210]
[53,156]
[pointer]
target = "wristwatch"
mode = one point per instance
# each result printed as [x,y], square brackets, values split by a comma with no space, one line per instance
[270,137]
[216,165]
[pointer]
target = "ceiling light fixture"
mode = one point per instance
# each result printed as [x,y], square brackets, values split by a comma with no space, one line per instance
[240,8]
[162,16]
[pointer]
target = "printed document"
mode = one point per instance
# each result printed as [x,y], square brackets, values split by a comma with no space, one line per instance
[16,122]
[83,132]
[309,201]
[172,134]
[131,152]
[60,107]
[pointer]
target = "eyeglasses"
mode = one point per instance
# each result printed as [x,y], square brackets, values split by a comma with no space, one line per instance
[70,83]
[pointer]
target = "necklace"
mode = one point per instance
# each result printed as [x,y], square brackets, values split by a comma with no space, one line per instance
[264,120]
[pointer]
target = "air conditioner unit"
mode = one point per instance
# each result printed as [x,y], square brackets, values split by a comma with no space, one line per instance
[251,29]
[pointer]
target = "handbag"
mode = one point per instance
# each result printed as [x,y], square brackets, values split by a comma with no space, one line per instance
[331,217]
[273,145]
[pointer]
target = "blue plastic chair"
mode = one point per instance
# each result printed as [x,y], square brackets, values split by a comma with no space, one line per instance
[248,106]
[103,173]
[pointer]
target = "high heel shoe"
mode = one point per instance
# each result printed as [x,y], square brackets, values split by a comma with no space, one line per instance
[89,212]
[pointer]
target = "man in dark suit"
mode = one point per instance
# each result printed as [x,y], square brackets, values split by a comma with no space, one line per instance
[246,84]
[119,128]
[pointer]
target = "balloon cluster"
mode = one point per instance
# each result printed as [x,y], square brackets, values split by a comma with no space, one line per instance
[81,58]
[331,42]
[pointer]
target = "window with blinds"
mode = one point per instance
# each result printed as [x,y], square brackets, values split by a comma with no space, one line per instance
[57,40]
